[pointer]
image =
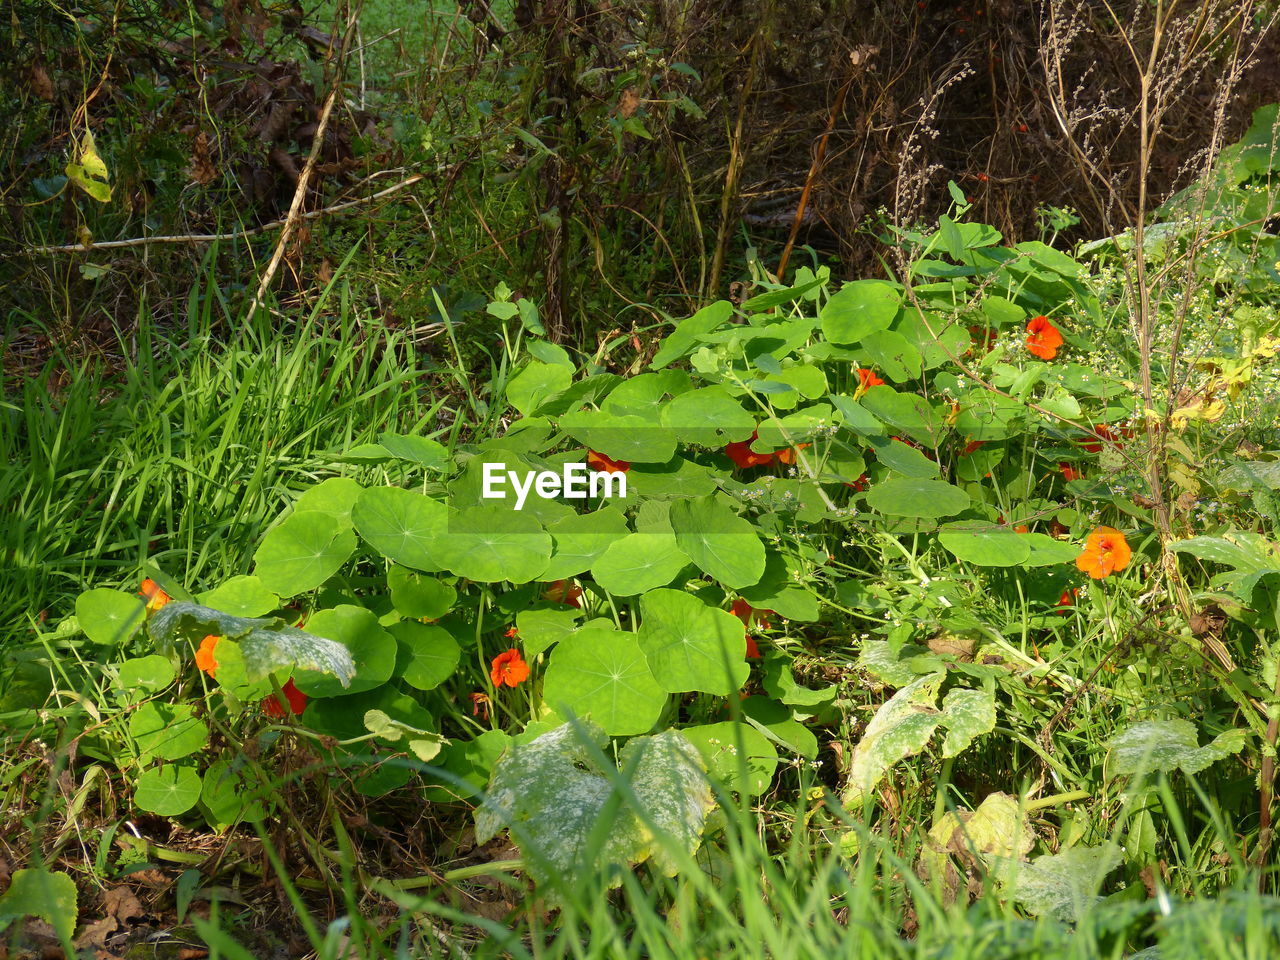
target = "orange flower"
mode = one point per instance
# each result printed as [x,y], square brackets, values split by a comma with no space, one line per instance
[296,698]
[204,656]
[155,597]
[563,591]
[1105,552]
[866,380]
[1043,338]
[1069,472]
[742,454]
[1068,598]
[511,633]
[788,454]
[602,464]
[480,705]
[971,446]
[509,667]
[753,652]
[1022,528]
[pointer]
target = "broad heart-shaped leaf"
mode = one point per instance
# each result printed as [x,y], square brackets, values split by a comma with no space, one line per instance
[967,714]
[1063,884]
[677,478]
[169,731]
[639,562]
[737,755]
[231,793]
[554,796]
[36,892]
[1048,552]
[401,525]
[492,544]
[168,791]
[536,384]
[777,591]
[152,673]
[302,552]
[372,649]
[891,354]
[904,497]
[581,539]
[242,596]
[709,417]
[690,645]
[417,595]
[1167,745]
[901,728]
[426,656]
[267,644]
[721,543]
[904,459]
[539,629]
[904,413]
[685,336]
[629,437]
[984,543]
[1251,556]
[109,617]
[858,310]
[646,394]
[335,496]
[601,674]
[420,450]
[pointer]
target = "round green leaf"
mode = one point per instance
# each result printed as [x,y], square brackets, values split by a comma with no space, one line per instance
[737,754]
[639,562]
[536,384]
[302,552]
[629,437]
[904,497]
[492,544]
[242,596]
[426,655]
[427,453]
[859,309]
[415,595]
[167,791]
[904,459]
[709,417]
[372,649]
[579,540]
[152,672]
[335,496]
[1048,552]
[228,794]
[167,730]
[906,413]
[401,525]
[690,645]
[645,395]
[602,674]
[984,543]
[540,629]
[109,616]
[889,352]
[720,542]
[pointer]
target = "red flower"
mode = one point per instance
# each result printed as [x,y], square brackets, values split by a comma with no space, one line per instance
[509,667]
[155,597]
[204,656]
[480,705]
[971,446]
[860,484]
[1068,598]
[511,633]
[296,698]
[602,464]
[1105,551]
[1070,472]
[742,454]
[1104,434]
[753,652]
[787,455]
[984,337]
[563,591]
[1022,528]
[1043,338]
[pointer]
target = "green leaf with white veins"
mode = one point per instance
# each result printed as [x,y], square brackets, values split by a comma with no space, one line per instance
[639,562]
[690,645]
[553,794]
[302,552]
[721,543]
[901,728]
[601,673]
[1168,745]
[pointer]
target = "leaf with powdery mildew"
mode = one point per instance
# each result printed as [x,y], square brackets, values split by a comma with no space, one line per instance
[901,728]
[1167,745]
